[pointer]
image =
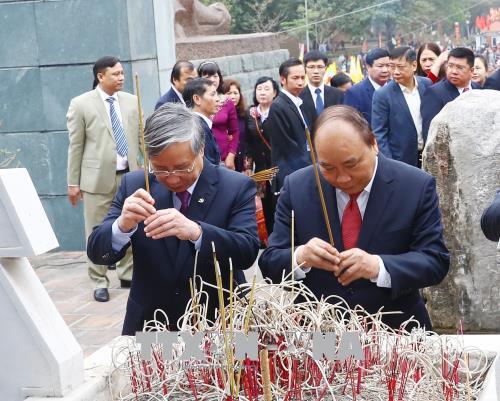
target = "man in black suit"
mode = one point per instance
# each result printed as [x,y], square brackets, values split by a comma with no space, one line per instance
[316,95]
[458,80]
[191,205]
[493,82]
[200,94]
[490,220]
[182,72]
[285,124]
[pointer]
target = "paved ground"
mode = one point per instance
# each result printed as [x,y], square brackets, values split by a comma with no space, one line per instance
[64,275]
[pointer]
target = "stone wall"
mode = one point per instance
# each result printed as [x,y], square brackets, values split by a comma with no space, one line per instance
[463,154]
[47,50]
[247,68]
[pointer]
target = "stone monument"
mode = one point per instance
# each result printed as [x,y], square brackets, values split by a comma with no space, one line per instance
[463,154]
[39,355]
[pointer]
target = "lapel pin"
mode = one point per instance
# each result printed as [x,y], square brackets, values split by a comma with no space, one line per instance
[201,200]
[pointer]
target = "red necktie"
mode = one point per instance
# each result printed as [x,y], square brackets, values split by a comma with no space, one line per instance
[465,89]
[351,223]
[184,197]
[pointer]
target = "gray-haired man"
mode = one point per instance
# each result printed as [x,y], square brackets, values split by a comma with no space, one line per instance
[191,204]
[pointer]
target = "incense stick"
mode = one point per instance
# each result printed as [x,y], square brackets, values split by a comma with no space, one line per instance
[320,188]
[141,131]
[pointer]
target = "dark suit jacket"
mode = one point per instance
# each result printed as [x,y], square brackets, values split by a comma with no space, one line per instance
[360,97]
[490,220]
[223,203]
[392,123]
[493,82]
[409,239]
[333,96]
[284,125]
[169,97]
[212,152]
[435,97]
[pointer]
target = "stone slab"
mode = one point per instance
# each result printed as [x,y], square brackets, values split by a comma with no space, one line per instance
[20,100]
[18,46]
[142,39]
[86,30]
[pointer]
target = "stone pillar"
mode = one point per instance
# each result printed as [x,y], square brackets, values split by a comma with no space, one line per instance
[463,154]
[46,56]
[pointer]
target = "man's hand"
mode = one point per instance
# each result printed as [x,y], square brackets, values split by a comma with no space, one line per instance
[171,223]
[74,194]
[320,254]
[136,208]
[355,264]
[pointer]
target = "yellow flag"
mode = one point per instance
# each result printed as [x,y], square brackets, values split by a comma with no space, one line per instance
[331,70]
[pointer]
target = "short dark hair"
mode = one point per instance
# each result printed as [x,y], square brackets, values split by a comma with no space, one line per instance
[101,65]
[211,68]
[403,51]
[177,69]
[349,115]
[314,55]
[261,80]
[375,54]
[433,47]
[463,52]
[340,79]
[285,66]
[196,86]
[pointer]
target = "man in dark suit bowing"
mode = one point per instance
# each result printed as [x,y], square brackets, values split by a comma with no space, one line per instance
[316,95]
[201,95]
[182,72]
[285,124]
[360,95]
[383,253]
[396,119]
[459,69]
[191,205]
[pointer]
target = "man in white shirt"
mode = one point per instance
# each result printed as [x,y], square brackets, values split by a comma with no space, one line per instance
[103,127]
[396,120]
[285,124]
[381,253]
[316,95]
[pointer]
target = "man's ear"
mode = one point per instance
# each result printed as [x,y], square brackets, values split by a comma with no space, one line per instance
[196,99]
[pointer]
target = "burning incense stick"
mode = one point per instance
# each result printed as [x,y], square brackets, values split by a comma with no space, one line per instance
[141,131]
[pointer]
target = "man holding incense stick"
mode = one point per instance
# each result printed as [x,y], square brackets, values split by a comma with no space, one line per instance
[103,127]
[385,219]
[192,204]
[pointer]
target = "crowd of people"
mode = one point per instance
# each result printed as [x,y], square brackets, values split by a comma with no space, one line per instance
[203,143]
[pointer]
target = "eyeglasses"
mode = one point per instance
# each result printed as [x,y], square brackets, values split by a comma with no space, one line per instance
[166,173]
[315,67]
[459,68]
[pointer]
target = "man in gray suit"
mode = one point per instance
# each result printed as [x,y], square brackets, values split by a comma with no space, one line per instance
[103,127]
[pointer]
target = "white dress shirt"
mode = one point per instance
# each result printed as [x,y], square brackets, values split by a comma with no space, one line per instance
[461,90]
[178,94]
[312,89]
[263,114]
[206,119]
[413,101]
[121,161]
[383,279]
[119,238]
[376,86]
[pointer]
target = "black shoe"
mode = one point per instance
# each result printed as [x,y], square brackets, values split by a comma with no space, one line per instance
[112,267]
[125,283]
[101,295]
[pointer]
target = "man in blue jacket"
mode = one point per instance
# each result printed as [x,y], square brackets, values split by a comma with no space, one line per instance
[396,119]
[360,95]
[191,205]
[385,218]
[182,72]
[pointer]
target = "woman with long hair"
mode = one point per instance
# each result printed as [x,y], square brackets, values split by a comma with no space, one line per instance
[232,89]
[480,71]
[430,61]
[225,121]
